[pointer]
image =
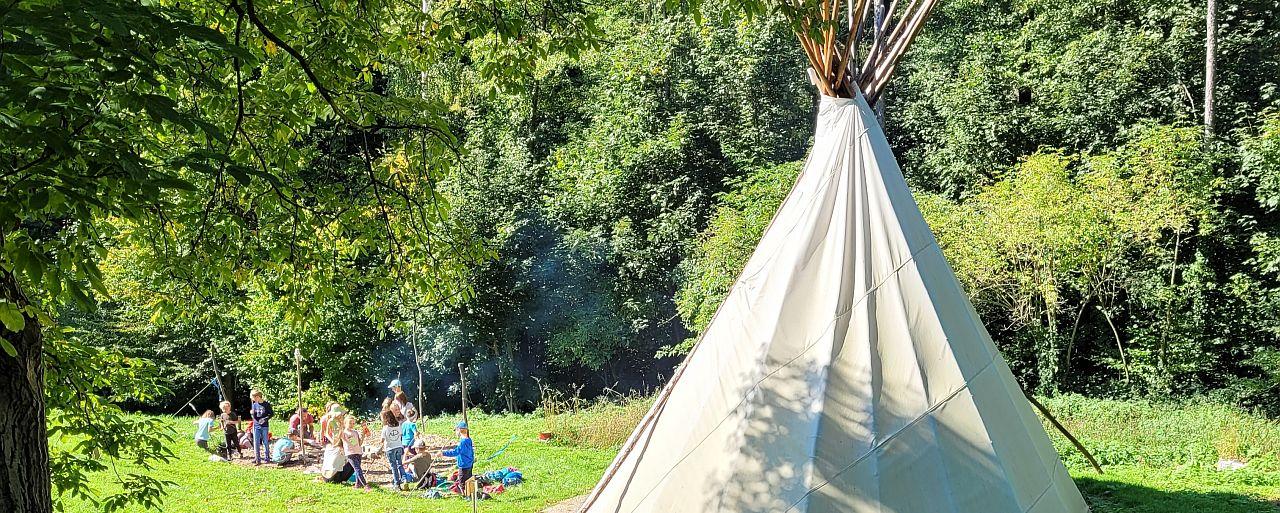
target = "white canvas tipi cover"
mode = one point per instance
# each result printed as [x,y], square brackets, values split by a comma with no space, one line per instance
[846,370]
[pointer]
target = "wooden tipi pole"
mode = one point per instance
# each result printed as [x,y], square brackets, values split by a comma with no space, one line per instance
[297,361]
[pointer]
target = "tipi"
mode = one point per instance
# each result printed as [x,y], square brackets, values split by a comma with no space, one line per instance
[846,371]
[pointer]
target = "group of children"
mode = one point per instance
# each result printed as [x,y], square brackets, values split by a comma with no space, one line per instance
[341,434]
[235,438]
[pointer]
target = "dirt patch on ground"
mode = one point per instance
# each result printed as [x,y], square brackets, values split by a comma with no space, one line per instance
[376,468]
[568,505]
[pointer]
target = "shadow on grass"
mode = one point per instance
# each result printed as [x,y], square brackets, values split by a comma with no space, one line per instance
[1108,496]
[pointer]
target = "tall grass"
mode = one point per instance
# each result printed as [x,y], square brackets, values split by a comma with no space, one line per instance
[1194,434]
[1190,434]
[604,423]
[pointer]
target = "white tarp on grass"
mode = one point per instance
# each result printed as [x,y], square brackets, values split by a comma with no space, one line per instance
[846,371]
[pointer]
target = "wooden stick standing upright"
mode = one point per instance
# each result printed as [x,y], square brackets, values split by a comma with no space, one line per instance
[462,379]
[297,361]
[217,376]
[417,358]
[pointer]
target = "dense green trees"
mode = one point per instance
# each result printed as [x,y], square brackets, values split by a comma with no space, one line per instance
[217,152]
[1109,249]
[564,192]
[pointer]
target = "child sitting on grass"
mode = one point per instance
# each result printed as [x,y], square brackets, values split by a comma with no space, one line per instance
[353,445]
[420,465]
[203,425]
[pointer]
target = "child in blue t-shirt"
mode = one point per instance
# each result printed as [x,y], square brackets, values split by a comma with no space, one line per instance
[409,433]
[282,451]
[203,425]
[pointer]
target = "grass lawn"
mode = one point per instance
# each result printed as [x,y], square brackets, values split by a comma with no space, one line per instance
[1131,489]
[552,473]
[1158,459]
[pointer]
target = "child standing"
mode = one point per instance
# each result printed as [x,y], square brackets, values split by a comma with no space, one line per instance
[353,445]
[203,425]
[261,412]
[408,434]
[229,422]
[465,453]
[393,444]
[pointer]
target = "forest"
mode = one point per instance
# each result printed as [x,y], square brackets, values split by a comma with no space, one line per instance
[560,194]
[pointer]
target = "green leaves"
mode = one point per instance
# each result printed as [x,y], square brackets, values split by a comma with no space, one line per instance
[1260,155]
[1064,232]
[11,317]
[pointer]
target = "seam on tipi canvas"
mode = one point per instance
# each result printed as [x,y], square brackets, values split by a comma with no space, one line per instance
[1010,400]
[1053,478]
[932,420]
[825,184]
[808,346]
[946,472]
[659,405]
[895,434]
[855,194]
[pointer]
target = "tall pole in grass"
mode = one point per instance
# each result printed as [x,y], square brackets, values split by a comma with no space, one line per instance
[462,380]
[417,359]
[297,361]
[217,376]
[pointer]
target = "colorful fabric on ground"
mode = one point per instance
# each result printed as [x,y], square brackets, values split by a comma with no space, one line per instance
[505,476]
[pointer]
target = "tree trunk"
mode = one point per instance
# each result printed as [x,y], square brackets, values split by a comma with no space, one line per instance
[1210,64]
[24,447]
[512,380]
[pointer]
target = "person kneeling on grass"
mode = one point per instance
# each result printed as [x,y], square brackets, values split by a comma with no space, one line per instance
[302,422]
[420,466]
[283,450]
[464,452]
[203,425]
